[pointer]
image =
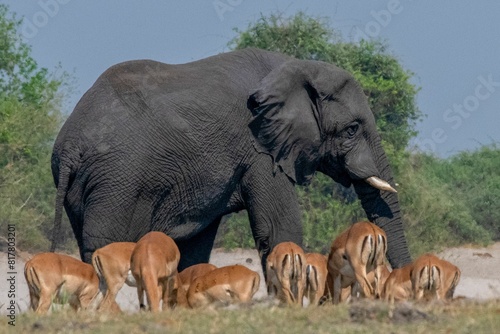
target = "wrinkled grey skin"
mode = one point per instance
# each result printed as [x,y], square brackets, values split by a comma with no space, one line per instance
[173,148]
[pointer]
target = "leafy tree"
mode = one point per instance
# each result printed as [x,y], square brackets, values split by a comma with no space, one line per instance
[30,116]
[434,217]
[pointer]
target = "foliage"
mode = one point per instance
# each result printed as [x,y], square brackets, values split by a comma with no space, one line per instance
[435,215]
[30,104]
[234,232]
[300,36]
[327,210]
[472,179]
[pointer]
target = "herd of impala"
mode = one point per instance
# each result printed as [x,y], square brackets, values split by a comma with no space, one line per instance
[356,267]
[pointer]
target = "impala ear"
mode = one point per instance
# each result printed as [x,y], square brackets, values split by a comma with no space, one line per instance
[285,122]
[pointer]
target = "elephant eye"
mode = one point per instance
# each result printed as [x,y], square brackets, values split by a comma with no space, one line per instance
[352,130]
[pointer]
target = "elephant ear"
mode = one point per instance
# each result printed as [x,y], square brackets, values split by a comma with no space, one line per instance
[285,122]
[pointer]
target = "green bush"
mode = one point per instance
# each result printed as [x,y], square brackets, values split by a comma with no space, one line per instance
[435,215]
[473,178]
[30,116]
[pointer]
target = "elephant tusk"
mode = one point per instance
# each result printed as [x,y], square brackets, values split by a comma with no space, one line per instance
[380,184]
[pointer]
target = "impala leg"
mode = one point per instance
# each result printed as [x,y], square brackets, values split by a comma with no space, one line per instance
[140,295]
[337,289]
[44,303]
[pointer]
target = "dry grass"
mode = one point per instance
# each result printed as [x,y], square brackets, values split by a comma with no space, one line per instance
[462,316]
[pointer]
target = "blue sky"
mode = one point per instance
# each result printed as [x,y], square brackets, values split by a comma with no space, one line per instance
[452,47]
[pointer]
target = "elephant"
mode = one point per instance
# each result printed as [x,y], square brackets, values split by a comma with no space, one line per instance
[174,148]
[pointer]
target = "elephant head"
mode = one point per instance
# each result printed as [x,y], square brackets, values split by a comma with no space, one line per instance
[312,116]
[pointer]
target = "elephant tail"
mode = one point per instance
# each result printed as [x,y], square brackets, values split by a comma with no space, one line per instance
[62,188]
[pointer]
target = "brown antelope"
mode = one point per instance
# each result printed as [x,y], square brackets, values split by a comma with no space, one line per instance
[377,285]
[230,284]
[188,275]
[355,253]
[398,285]
[154,264]
[450,277]
[433,277]
[60,278]
[112,265]
[286,273]
[316,272]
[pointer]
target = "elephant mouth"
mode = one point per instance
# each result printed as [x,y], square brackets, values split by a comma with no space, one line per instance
[380,184]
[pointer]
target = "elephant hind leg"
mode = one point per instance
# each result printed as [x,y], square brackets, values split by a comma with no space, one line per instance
[104,223]
[197,249]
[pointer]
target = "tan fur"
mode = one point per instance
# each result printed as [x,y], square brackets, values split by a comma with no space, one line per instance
[433,277]
[450,278]
[355,253]
[154,264]
[181,293]
[112,265]
[316,272]
[355,289]
[188,275]
[55,277]
[286,273]
[230,284]
[377,284]
[398,285]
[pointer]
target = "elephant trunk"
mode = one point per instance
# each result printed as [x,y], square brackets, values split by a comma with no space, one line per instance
[382,207]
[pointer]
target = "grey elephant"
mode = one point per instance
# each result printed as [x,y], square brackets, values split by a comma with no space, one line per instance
[174,148]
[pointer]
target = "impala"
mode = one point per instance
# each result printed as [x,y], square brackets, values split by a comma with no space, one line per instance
[316,272]
[188,275]
[286,273]
[398,285]
[354,254]
[59,278]
[433,277]
[230,284]
[154,264]
[112,265]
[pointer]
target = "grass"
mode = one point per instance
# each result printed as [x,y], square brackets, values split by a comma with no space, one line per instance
[461,316]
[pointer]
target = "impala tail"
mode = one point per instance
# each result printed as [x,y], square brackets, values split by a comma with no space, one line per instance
[292,276]
[255,284]
[312,277]
[33,285]
[454,283]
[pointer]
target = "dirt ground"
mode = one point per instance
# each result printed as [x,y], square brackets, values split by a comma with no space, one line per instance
[480,278]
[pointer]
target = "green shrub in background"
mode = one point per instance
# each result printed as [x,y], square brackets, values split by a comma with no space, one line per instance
[30,116]
[473,179]
[435,214]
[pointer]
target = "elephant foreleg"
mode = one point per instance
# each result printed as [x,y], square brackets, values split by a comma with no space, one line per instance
[273,208]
